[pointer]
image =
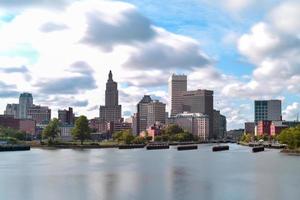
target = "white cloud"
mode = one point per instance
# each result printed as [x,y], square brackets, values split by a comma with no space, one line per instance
[292,111]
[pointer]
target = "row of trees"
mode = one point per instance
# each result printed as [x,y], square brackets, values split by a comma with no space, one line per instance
[289,136]
[81,131]
[251,138]
[170,133]
[175,133]
[12,135]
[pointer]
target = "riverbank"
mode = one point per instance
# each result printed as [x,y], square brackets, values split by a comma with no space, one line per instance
[294,152]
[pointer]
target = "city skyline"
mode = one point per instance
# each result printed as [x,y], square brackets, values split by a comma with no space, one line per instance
[63,61]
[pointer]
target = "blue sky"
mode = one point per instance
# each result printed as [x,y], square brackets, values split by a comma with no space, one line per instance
[243,50]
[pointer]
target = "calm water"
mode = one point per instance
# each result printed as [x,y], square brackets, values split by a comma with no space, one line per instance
[111,174]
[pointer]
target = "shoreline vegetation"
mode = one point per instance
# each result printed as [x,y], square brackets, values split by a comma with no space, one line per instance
[288,140]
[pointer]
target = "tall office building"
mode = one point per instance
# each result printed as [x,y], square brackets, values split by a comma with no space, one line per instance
[156,113]
[111,112]
[200,101]
[177,85]
[25,102]
[142,113]
[66,117]
[12,110]
[269,110]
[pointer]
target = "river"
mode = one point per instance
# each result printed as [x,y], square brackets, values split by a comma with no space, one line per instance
[112,174]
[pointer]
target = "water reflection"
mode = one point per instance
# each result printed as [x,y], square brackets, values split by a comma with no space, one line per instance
[112,174]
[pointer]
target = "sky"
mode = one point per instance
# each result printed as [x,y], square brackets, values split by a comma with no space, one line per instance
[62,50]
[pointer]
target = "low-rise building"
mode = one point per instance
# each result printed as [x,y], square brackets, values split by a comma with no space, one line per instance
[66,132]
[195,123]
[276,128]
[250,128]
[264,127]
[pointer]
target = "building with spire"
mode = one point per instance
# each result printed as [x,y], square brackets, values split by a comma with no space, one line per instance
[111,111]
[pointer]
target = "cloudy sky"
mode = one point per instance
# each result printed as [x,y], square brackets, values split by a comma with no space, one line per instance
[62,51]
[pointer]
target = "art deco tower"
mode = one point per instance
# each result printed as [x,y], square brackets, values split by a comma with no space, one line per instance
[111,112]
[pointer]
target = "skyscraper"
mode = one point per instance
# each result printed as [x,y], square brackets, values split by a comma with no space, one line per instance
[200,101]
[25,102]
[111,112]
[177,85]
[156,113]
[269,110]
[142,113]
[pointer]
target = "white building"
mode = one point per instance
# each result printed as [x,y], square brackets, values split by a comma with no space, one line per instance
[195,123]
[66,132]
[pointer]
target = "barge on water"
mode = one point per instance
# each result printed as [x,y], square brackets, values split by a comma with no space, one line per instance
[187,147]
[9,147]
[220,148]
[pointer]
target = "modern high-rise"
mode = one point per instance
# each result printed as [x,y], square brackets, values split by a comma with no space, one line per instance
[200,101]
[66,117]
[40,114]
[177,86]
[111,112]
[269,110]
[156,113]
[12,110]
[25,102]
[142,113]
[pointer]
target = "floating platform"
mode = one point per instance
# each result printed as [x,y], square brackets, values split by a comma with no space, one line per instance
[220,148]
[187,147]
[14,148]
[258,149]
[157,146]
[131,146]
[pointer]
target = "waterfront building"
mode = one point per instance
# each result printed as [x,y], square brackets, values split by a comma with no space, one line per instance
[9,122]
[269,110]
[111,112]
[113,127]
[66,116]
[264,127]
[276,128]
[66,132]
[41,114]
[195,123]
[142,114]
[25,125]
[200,101]
[152,131]
[156,113]
[250,128]
[177,85]
[12,110]
[25,102]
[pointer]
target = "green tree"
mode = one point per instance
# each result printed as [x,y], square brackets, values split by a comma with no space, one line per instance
[52,130]
[173,129]
[290,137]
[81,131]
